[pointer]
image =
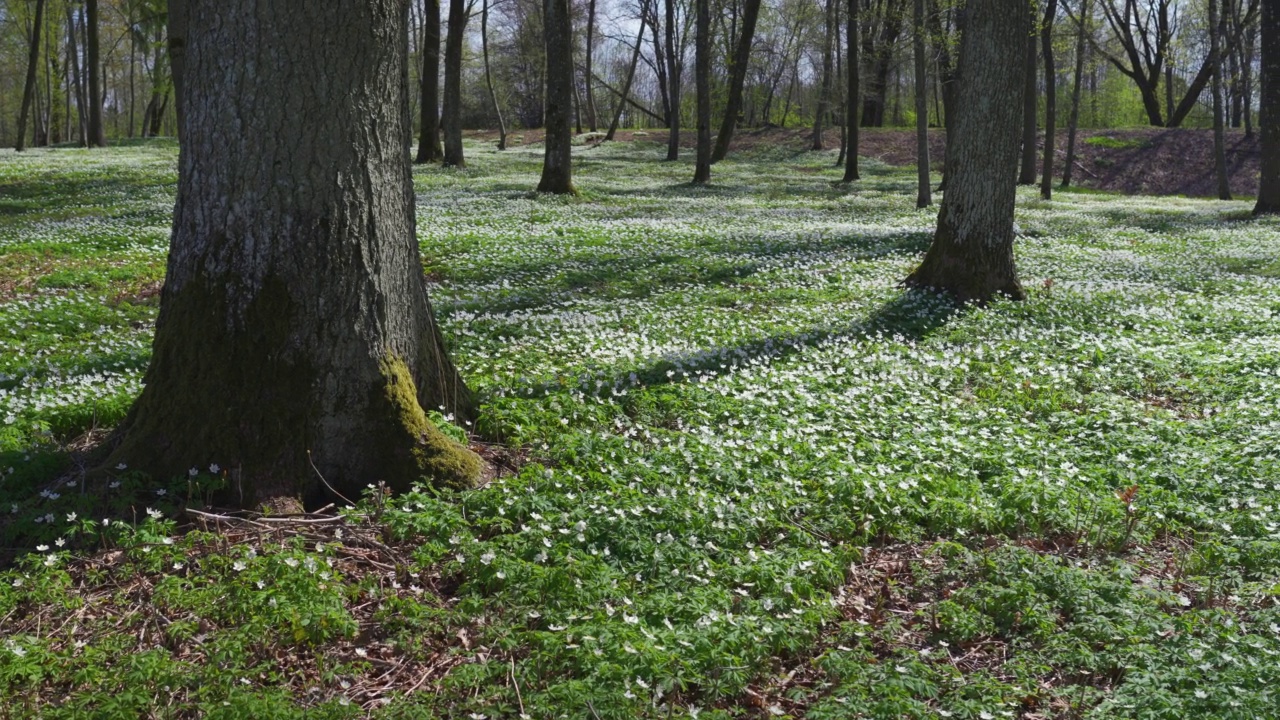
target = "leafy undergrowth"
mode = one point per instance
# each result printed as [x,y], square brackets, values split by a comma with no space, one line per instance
[762,481]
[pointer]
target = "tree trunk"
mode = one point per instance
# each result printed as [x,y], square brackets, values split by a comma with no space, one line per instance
[840,84]
[488,74]
[29,88]
[586,80]
[626,86]
[1250,42]
[429,149]
[97,133]
[77,78]
[452,119]
[853,100]
[295,343]
[1073,121]
[1219,132]
[1027,176]
[557,163]
[660,65]
[737,80]
[971,257]
[924,197]
[673,82]
[824,91]
[1050,99]
[177,21]
[1269,115]
[702,78]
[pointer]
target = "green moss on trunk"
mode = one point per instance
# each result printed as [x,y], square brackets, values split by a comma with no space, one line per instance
[410,445]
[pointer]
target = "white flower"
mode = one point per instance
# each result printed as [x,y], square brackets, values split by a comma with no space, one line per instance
[41,547]
[71,517]
[487,558]
[193,472]
[214,468]
[121,466]
[238,565]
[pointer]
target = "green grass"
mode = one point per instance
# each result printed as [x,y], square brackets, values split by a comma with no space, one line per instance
[1115,143]
[762,481]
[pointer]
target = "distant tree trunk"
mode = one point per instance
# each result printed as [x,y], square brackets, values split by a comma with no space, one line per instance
[488,74]
[737,80]
[880,58]
[840,84]
[626,86]
[429,149]
[586,80]
[557,162]
[1051,99]
[1073,121]
[702,73]
[177,20]
[78,79]
[452,119]
[971,257]
[1029,106]
[1219,132]
[673,82]
[29,88]
[659,62]
[295,339]
[924,197]
[824,90]
[853,99]
[1269,117]
[1250,42]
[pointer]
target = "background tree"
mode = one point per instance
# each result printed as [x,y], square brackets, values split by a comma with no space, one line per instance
[702,78]
[1073,122]
[295,340]
[1050,98]
[971,257]
[853,100]
[488,75]
[97,132]
[1030,104]
[557,162]
[452,116]
[924,197]
[1219,131]
[824,88]
[1269,119]
[737,79]
[29,88]
[429,149]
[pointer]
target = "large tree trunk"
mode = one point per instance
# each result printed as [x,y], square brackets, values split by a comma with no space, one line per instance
[1050,99]
[488,75]
[924,197]
[295,341]
[737,80]
[971,257]
[1073,120]
[1219,132]
[674,70]
[1269,117]
[452,120]
[429,149]
[702,78]
[557,163]
[29,87]
[824,90]
[1027,176]
[853,100]
[97,133]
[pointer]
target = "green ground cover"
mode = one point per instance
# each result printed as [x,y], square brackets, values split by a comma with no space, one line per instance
[751,477]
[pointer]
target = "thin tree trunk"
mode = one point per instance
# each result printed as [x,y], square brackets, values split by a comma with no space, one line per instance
[29,88]
[295,341]
[737,80]
[824,91]
[1027,176]
[74,53]
[924,197]
[97,133]
[429,149]
[626,86]
[1073,121]
[557,163]
[1250,42]
[177,53]
[488,74]
[1269,115]
[702,78]
[660,65]
[840,88]
[673,82]
[1219,132]
[971,258]
[1050,99]
[452,118]
[586,80]
[853,100]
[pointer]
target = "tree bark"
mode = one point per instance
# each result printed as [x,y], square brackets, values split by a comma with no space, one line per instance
[488,75]
[77,78]
[824,91]
[1073,121]
[924,197]
[853,100]
[429,149]
[177,21]
[1050,99]
[626,86]
[971,257]
[590,100]
[1027,176]
[1219,131]
[557,162]
[295,341]
[452,117]
[702,78]
[737,80]
[1269,117]
[674,70]
[29,87]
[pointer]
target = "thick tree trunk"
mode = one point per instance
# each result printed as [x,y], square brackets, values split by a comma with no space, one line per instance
[1269,117]
[1219,131]
[97,133]
[853,100]
[824,90]
[702,78]
[488,75]
[557,163]
[737,80]
[1027,176]
[295,341]
[924,197]
[971,257]
[1050,99]
[626,86]
[673,82]
[452,119]
[29,87]
[429,149]
[1073,121]
[590,101]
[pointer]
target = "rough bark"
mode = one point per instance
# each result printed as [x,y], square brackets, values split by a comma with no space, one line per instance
[429,149]
[1073,120]
[824,90]
[971,257]
[1269,117]
[626,86]
[557,162]
[97,132]
[295,340]
[1050,99]
[451,119]
[29,87]
[1027,175]
[702,79]
[1219,131]
[488,75]
[737,80]
[924,196]
[853,99]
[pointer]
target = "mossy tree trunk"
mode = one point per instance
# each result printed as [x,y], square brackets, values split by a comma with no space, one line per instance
[702,80]
[452,121]
[557,162]
[853,99]
[971,257]
[429,149]
[295,339]
[1269,118]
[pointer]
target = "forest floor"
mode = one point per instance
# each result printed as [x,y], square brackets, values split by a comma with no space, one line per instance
[749,477]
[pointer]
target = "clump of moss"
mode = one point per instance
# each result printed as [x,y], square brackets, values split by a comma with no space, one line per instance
[413,447]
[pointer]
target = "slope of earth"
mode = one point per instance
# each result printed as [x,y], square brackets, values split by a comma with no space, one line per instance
[761,480]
